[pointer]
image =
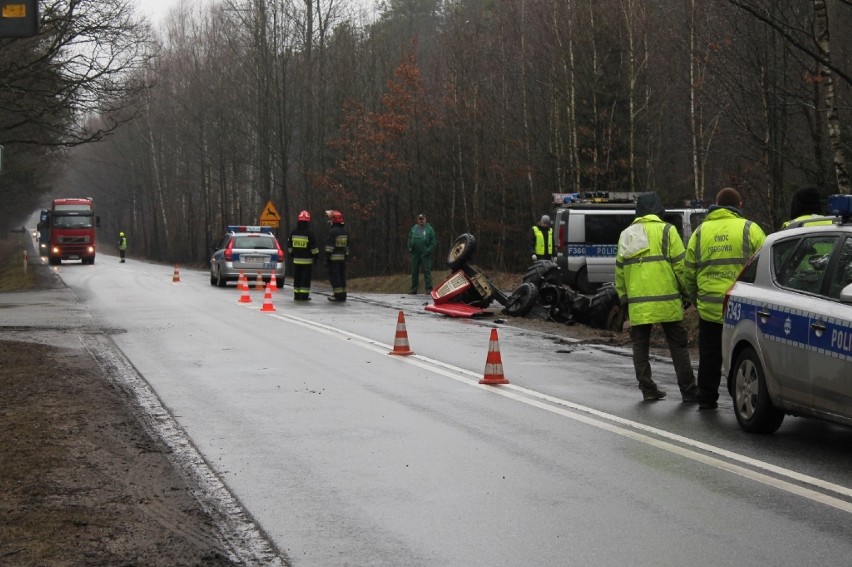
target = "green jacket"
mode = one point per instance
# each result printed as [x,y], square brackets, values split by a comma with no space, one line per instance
[717,251]
[649,271]
[422,241]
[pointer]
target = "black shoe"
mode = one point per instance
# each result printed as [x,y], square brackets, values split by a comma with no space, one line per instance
[337,299]
[707,404]
[653,395]
[689,398]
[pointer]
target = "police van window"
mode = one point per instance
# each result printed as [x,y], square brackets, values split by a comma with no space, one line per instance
[676,220]
[605,229]
[843,272]
[696,219]
[805,268]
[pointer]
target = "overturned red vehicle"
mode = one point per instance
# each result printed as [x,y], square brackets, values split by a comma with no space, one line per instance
[468,293]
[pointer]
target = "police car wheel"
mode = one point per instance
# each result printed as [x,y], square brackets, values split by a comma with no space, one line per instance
[752,406]
[461,251]
[583,284]
[522,300]
[220,281]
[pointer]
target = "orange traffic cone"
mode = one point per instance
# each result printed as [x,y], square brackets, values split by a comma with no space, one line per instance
[176,275]
[267,300]
[243,286]
[273,282]
[493,363]
[400,341]
[241,282]
[258,283]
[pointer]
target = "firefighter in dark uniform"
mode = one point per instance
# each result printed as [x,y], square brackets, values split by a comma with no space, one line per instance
[303,250]
[336,252]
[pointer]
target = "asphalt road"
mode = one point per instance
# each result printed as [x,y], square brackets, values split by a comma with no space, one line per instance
[343,454]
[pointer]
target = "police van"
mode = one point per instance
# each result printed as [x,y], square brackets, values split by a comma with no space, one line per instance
[586,228]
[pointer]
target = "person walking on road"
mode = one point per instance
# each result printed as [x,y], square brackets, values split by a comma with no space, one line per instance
[302,247]
[715,254]
[122,246]
[541,240]
[336,253]
[650,281]
[421,243]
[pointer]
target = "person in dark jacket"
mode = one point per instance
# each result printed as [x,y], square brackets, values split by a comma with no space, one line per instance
[336,253]
[303,250]
[805,205]
[421,245]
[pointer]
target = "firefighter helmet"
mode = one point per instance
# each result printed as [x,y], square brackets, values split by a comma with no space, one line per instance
[336,217]
[304,216]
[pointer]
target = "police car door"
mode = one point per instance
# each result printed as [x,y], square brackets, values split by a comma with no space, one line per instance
[793,318]
[830,336]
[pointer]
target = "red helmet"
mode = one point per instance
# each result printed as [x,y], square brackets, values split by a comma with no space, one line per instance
[304,216]
[336,217]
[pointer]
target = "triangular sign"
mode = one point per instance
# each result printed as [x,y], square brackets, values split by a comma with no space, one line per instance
[270,213]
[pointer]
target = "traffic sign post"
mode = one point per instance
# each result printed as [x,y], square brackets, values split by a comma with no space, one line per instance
[270,216]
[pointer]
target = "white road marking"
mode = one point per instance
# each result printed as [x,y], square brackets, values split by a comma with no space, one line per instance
[688,448]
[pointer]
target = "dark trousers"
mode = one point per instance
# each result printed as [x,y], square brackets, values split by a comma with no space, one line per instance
[302,276]
[419,262]
[337,279]
[710,360]
[678,341]
[121,254]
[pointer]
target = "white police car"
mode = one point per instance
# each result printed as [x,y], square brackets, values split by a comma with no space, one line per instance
[252,250]
[787,336]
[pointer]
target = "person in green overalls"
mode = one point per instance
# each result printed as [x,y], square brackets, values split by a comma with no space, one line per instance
[421,244]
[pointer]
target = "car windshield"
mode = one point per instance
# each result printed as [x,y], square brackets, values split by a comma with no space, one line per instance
[254,243]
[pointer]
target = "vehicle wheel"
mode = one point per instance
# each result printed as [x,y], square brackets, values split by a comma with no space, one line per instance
[461,251]
[521,301]
[754,410]
[615,319]
[279,283]
[54,261]
[220,281]
[583,284]
[212,278]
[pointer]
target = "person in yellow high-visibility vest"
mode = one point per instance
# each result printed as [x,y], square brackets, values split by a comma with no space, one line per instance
[541,240]
[806,204]
[650,282]
[717,251]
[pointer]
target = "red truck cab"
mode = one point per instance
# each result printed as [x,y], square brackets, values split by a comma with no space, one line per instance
[72,230]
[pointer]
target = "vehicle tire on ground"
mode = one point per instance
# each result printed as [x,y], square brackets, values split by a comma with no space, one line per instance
[601,305]
[752,406]
[582,282]
[461,251]
[279,283]
[220,281]
[521,301]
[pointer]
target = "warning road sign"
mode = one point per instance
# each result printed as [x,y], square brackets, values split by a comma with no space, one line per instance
[270,213]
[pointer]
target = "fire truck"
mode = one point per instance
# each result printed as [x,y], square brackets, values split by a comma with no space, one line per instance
[71,224]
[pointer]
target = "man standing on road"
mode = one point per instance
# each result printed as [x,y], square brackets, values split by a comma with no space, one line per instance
[421,243]
[336,252]
[650,281]
[122,246]
[717,251]
[541,240]
[303,249]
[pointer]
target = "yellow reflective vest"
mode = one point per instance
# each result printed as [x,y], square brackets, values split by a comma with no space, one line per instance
[649,271]
[818,220]
[543,242]
[717,251]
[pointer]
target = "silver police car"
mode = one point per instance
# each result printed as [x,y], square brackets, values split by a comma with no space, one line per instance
[787,336]
[251,250]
